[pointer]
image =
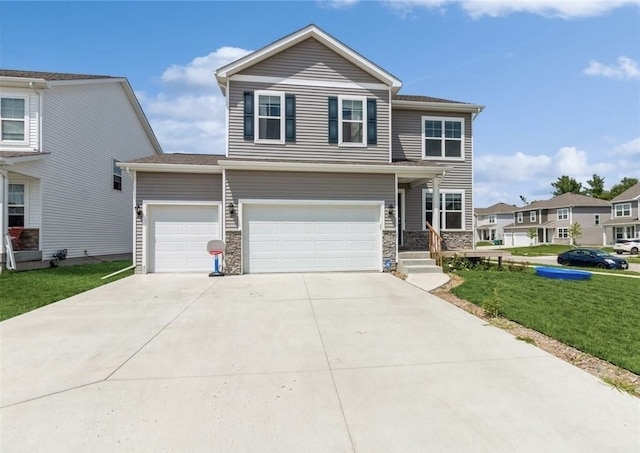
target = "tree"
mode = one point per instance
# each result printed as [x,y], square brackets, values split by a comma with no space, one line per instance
[623,185]
[532,233]
[575,233]
[566,184]
[596,187]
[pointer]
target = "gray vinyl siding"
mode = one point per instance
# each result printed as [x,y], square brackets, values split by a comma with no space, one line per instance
[85,127]
[585,216]
[311,60]
[407,144]
[256,185]
[178,186]
[311,126]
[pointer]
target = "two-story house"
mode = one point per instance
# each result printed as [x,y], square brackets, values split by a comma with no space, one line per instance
[491,221]
[327,168]
[624,221]
[551,221]
[61,136]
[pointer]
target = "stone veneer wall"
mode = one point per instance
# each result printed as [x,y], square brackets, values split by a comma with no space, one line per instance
[419,240]
[233,252]
[389,249]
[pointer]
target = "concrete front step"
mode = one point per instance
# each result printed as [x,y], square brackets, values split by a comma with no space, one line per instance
[418,262]
[419,269]
[413,255]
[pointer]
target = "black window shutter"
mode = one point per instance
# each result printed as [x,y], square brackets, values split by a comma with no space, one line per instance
[248,115]
[372,121]
[290,118]
[333,119]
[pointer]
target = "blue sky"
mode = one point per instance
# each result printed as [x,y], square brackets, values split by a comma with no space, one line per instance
[560,79]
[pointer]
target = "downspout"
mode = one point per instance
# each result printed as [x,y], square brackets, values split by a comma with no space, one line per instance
[570,223]
[134,256]
[4,217]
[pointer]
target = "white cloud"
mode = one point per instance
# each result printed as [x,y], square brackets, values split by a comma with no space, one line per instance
[504,178]
[188,115]
[625,69]
[565,9]
[630,149]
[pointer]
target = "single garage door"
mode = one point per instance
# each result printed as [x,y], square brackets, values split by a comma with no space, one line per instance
[311,238]
[516,239]
[179,235]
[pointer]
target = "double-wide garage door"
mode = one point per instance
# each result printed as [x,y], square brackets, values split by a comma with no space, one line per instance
[179,236]
[311,238]
[517,239]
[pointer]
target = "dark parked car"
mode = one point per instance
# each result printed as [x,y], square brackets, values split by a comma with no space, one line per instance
[592,258]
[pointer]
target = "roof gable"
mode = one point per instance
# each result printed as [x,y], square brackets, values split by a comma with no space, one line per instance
[632,193]
[565,200]
[498,208]
[223,73]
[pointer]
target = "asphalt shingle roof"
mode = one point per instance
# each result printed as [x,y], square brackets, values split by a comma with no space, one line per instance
[498,208]
[631,193]
[564,201]
[49,75]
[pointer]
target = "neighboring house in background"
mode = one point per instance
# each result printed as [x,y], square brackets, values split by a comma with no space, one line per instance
[491,221]
[61,137]
[625,210]
[327,168]
[553,218]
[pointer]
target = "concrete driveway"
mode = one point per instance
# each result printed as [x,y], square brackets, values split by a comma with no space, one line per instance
[360,362]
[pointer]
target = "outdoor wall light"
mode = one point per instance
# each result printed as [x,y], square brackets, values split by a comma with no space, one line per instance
[232,208]
[390,209]
[138,209]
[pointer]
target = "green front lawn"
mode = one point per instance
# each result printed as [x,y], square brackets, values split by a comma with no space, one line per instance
[599,316]
[21,292]
[539,250]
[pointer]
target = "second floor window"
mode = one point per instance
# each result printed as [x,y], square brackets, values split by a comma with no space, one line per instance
[13,118]
[352,121]
[269,117]
[442,138]
[520,217]
[563,214]
[492,219]
[117,176]
[597,219]
[623,210]
[532,216]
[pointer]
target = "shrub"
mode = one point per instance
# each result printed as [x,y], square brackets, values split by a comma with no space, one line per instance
[492,306]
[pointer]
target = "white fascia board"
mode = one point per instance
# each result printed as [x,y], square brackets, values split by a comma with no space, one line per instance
[288,41]
[93,81]
[19,159]
[169,168]
[401,171]
[438,106]
[22,82]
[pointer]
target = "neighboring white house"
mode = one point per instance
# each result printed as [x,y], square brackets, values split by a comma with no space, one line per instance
[625,215]
[491,221]
[61,136]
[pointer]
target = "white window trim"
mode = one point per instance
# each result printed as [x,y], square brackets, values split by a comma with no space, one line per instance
[364,121]
[442,156]
[562,214]
[565,230]
[115,168]
[256,110]
[532,216]
[492,219]
[623,205]
[443,218]
[26,120]
[519,217]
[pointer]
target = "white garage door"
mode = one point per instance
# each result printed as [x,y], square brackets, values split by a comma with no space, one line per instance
[516,239]
[311,238]
[179,235]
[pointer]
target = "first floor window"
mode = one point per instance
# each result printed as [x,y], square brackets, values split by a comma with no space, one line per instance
[270,121]
[442,138]
[623,210]
[563,214]
[563,233]
[451,210]
[16,205]
[13,119]
[117,176]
